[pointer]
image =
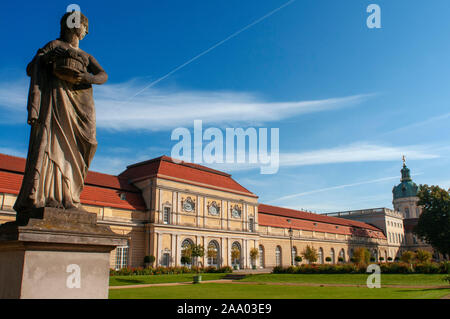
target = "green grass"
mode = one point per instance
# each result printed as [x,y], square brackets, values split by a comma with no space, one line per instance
[158,279]
[262,291]
[356,279]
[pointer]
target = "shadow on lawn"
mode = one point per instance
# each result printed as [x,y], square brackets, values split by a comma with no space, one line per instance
[425,289]
[129,281]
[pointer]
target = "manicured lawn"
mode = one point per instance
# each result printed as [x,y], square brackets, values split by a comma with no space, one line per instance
[263,291]
[157,279]
[355,279]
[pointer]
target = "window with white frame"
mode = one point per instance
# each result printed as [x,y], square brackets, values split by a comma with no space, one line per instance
[121,257]
[166,260]
[278,256]
[261,256]
[251,225]
[166,215]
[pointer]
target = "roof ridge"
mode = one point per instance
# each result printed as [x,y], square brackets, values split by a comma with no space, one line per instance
[179,162]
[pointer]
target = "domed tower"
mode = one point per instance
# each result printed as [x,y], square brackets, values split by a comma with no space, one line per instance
[405,195]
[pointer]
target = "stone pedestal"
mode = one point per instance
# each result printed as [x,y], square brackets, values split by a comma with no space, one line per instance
[56,254]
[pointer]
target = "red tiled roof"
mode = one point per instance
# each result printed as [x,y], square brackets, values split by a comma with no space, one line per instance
[165,167]
[276,217]
[100,189]
[17,164]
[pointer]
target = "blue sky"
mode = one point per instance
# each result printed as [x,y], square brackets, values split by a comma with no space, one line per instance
[349,101]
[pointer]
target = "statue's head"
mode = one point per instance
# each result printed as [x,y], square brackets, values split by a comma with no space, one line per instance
[68,25]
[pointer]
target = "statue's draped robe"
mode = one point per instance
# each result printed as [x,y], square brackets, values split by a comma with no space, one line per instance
[62,140]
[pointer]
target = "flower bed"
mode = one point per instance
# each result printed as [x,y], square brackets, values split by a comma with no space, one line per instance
[140,271]
[351,268]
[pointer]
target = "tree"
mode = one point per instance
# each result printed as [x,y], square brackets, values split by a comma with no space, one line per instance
[149,260]
[361,255]
[197,251]
[212,252]
[254,253]
[235,255]
[310,254]
[433,225]
[408,257]
[423,256]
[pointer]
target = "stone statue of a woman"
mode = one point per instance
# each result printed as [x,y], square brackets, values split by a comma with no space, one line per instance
[62,117]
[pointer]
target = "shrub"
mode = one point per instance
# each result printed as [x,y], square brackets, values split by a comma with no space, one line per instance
[340,259]
[389,259]
[298,259]
[185,260]
[328,259]
[395,268]
[291,270]
[423,256]
[427,268]
[447,279]
[444,267]
[372,259]
[381,258]
[278,270]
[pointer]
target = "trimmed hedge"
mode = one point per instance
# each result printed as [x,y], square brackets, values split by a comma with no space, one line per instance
[386,268]
[140,271]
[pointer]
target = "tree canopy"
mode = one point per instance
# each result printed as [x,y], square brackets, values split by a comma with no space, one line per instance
[433,225]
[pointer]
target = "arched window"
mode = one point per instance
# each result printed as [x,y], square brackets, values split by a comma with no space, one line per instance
[320,255]
[261,256]
[342,254]
[236,254]
[185,252]
[294,254]
[213,253]
[278,256]
[332,256]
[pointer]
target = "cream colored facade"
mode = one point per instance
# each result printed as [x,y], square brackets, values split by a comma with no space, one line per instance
[150,234]
[177,211]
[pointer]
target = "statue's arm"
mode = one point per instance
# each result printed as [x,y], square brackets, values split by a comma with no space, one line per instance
[47,54]
[97,74]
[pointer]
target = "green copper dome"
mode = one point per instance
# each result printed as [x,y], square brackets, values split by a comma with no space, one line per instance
[407,188]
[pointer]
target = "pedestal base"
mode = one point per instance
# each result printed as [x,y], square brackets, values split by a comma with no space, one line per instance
[63,255]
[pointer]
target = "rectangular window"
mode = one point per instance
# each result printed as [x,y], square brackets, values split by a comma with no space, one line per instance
[166,215]
[166,260]
[251,225]
[121,257]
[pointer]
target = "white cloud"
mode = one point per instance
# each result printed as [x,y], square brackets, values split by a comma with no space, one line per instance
[164,109]
[14,94]
[356,152]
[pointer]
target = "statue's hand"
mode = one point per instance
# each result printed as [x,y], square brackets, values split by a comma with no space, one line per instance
[83,78]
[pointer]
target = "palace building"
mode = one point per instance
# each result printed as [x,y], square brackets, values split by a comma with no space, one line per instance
[163,206]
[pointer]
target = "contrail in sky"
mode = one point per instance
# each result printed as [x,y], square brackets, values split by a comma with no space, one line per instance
[337,187]
[212,48]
